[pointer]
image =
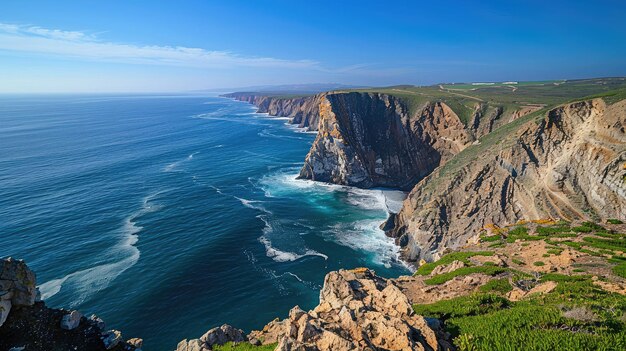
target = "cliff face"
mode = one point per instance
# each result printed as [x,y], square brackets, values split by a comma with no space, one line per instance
[371,139]
[301,111]
[570,165]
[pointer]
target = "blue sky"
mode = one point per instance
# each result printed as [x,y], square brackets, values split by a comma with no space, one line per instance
[157,46]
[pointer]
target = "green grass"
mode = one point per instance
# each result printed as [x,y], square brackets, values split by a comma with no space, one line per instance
[427,268]
[243,346]
[501,286]
[539,263]
[614,221]
[620,270]
[607,244]
[442,278]
[518,262]
[486,321]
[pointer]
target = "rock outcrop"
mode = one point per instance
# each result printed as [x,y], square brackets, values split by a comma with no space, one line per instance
[28,324]
[302,111]
[17,287]
[371,139]
[571,164]
[216,336]
[357,311]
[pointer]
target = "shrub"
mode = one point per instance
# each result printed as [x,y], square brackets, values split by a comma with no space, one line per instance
[427,268]
[539,263]
[614,221]
[442,278]
[501,286]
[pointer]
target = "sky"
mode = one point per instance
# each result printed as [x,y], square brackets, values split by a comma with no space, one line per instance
[174,46]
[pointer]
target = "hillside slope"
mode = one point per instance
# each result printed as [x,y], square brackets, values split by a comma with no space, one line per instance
[569,164]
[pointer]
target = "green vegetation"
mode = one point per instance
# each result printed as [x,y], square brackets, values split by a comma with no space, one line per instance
[243,346]
[539,263]
[442,278]
[427,268]
[577,315]
[614,221]
[501,286]
[620,270]
[519,262]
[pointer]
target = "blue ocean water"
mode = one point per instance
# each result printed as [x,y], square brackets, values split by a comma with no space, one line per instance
[169,215]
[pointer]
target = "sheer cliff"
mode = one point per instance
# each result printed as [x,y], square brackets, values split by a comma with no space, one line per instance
[371,139]
[302,111]
[569,163]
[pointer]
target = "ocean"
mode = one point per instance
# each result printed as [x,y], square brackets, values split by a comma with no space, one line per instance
[169,215]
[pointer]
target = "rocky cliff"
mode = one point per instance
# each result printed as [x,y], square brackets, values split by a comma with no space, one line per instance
[371,139]
[569,163]
[27,324]
[302,111]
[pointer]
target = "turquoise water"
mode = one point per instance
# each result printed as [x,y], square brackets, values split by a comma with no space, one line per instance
[169,215]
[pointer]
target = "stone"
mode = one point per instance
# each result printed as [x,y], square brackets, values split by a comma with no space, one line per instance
[71,320]
[136,342]
[222,335]
[97,322]
[5,308]
[190,345]
[111,339]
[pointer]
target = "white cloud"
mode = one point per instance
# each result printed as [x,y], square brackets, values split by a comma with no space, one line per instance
[79,45]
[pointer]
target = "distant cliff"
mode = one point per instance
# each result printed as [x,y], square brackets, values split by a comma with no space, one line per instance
[302,111]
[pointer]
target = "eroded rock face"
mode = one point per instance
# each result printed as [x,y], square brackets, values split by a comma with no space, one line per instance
[371,139]
[357,311]
[17,286]
[301,111]
[569,164]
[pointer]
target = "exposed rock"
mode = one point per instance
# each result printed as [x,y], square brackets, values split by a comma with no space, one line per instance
[447,268]
[371,139]
[17,286]
[137,342]
[111,338]
[71,320]
[569,164]
[222,335]
[301,111]
[215,336]
[357,311]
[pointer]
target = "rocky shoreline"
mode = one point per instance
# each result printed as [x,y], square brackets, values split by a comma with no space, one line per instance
[27,324]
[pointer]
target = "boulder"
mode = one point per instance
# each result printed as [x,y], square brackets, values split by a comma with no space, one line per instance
[137,342]
[71,320]
[111,338]
[222,335]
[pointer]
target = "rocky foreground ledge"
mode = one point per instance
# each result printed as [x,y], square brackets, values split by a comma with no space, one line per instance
[27,324]
[358,310]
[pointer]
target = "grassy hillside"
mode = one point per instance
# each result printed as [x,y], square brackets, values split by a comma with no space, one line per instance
[582,307]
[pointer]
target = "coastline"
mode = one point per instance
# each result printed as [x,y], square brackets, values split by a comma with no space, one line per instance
[393,202]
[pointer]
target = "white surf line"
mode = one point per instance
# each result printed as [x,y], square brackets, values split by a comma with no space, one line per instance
[89,281]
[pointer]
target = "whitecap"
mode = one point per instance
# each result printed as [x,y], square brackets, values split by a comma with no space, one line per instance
[253,204]
[84,283]
[174,165]
[284,256]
